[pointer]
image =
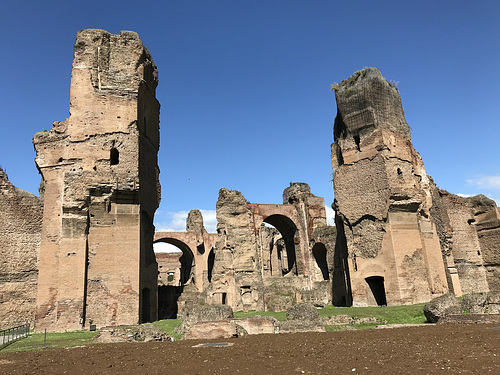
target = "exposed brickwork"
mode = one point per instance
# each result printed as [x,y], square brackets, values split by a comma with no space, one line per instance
[101,189]
[20,224]
[388,250]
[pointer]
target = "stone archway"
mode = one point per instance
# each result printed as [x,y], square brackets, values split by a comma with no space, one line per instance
[176,269]
[281,253]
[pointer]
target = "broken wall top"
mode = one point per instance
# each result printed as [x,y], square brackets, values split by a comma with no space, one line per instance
[9,190]
[367,100]
[112,76]
[117,63]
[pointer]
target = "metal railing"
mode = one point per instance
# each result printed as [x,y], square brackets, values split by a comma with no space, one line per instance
[12,334]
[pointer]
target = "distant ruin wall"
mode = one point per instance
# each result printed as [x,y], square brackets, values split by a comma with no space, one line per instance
[20,226]
[473,246]
[260,267]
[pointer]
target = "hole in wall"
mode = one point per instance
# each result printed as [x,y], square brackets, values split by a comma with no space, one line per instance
[114,156]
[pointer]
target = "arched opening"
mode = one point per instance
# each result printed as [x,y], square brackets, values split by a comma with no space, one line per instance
[210,264]
[319,253]
[278,236]
[175,269]
[376,284]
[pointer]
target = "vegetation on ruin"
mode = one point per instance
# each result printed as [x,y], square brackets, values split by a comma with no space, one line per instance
[407,314]
[169,326]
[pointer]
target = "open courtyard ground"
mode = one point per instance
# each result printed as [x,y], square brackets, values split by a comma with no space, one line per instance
[436,349]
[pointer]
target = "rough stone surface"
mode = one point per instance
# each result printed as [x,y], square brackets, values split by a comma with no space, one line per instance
[475,303]
[211,330]
[481,303]
[20,225]
[441,306]
[470,319]
[141,333]
[257,325]
[100,173]
[193,314]
[293,326]
[470,241]
[270,257]
[387,248]
[302,311]
[184,276]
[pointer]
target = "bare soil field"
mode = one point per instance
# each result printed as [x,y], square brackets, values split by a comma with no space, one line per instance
[436,349]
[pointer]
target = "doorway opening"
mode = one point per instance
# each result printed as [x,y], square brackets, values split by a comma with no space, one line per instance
[376,284]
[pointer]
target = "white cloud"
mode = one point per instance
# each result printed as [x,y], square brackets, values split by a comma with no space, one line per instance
[330,215]
[171,221]
[162,247]
[486,182]
[209,220]
[464,195]
[176,221]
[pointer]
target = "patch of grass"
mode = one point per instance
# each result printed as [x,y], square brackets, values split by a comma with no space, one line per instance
[281,315]
[408,314]
[54,340]
[169,326]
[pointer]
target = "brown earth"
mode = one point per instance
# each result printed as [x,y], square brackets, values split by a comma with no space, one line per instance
[439,349]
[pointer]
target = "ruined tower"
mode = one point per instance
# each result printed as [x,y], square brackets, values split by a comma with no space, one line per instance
[387,248]
[100,176]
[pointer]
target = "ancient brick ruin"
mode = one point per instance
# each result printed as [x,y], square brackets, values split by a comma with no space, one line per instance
[100,176]
[20,225]
[258,267]
[264,256]
[398,239]
[191,269]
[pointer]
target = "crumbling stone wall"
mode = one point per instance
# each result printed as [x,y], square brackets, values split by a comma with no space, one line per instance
[100,173]
[472,248]
[236,279]
[197,247]
[193,266]
[261,267]
[20,224]
[388,250]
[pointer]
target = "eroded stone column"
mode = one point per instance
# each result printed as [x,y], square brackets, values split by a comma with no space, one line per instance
[389,252]
[99,167]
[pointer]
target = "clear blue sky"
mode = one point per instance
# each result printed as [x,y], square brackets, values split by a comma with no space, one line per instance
[245,87]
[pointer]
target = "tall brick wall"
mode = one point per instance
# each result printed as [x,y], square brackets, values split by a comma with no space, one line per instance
[20,225]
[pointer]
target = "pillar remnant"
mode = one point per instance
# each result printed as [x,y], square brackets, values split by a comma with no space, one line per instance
[99,169]
[387,248]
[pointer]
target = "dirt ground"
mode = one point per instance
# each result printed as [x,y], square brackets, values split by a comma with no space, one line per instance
[438,349]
